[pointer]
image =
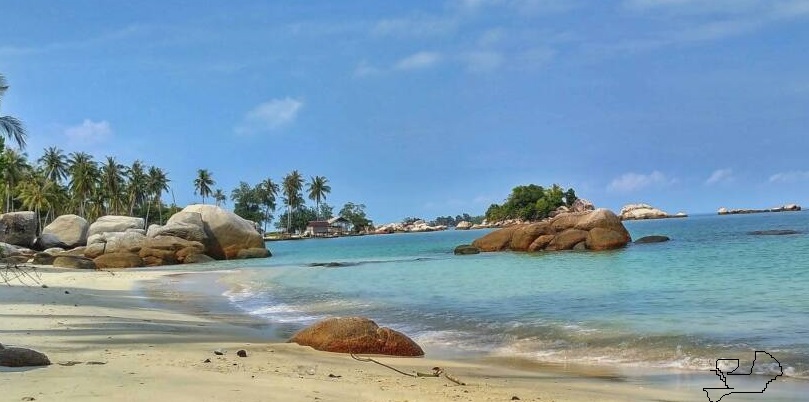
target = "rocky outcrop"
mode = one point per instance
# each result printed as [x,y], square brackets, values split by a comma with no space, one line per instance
[185,225]
[18,228]
[415,227]
[783,208]
[582,205]
[356,335]
[21,357]
[66,231]
[114,223]
[168,250]
[75,262]
[227,233]
[645,211]
[466,249]
[463,225]
[118,260]
[114,242]
[596,230]
[652,239]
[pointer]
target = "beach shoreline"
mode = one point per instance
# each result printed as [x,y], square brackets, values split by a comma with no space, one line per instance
[111,337]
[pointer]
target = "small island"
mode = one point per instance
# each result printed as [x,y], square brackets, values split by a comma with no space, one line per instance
[646,211]
[783,208]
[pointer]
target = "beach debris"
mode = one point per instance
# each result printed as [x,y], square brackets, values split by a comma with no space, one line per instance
[219,352]
[23,274]
[22,357]
[515,398]
[69,363]
[356,335]
[308,370]
[437,371]
[28,398]
[334,376]
[241,353]
[206,361]
[94,363]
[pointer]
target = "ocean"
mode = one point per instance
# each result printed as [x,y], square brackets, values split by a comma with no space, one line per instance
[714,291]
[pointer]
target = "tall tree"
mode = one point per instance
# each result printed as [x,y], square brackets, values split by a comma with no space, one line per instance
[136,190]
[291,186]
[38,193]
[113,179]
[10,126]
[54,162]
[317,189]
[15,168]
[157,183]
[203,183]
[220,197]
[84,175]
[268,191]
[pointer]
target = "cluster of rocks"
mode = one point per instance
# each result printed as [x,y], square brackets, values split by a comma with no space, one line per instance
[599,229]
[646,211]
[357,335]
[417,226]
[783,208]
[198,233]
[578,206]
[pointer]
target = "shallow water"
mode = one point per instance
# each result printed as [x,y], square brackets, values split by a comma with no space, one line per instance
[714,291]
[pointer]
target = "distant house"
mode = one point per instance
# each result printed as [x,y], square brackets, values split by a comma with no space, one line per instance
[333,227]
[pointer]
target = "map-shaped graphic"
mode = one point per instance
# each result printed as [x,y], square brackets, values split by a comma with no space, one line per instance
[742,383]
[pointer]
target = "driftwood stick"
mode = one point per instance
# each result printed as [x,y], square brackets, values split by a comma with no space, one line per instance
[437,371]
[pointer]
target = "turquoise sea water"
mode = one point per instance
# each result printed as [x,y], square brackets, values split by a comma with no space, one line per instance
[713,291]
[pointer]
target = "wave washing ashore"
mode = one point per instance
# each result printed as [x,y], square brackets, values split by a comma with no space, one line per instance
[715,290]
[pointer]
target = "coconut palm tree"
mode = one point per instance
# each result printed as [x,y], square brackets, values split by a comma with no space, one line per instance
[203,183]
[113,180]
[268,191]
[220,197]
[83,178]
[157,183]
[291,186]
[15,168]
[136,190]
[10,126]
[317,189]
[37,193]
[54,162]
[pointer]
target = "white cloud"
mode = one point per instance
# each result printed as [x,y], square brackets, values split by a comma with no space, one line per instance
[720,175]
[270,116]
[789,177]
[417,61]
[629,182]
[419,26]
[89,131]
[482,61]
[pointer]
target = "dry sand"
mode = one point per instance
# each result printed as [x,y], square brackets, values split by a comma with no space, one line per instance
[109,342]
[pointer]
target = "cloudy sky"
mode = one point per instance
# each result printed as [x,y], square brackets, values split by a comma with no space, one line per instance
[427,108]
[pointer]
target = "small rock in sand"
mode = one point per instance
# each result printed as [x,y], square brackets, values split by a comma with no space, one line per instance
[241,353]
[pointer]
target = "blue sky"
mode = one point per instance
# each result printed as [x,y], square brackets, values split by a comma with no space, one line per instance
[428,108]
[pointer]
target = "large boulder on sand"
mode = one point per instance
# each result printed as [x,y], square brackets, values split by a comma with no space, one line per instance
[356,335]
[66,231]
[118,260]
[75,262]
[21,357]
[227,233]
[185,225]
[18,228]
[599,229]
[114,242]
[115,223]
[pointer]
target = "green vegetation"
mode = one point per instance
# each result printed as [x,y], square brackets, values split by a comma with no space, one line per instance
[10,126]
[355,213]
[450,221]
[531,203]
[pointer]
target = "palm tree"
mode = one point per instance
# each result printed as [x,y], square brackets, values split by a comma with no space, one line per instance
[10,126]
[83,178]
[317,189]
[113,179]
[268,191]
[54,161]
[203,183]
[14,170]
[220,197]
[37,193]
[136,190]
[292,184]
[157,183]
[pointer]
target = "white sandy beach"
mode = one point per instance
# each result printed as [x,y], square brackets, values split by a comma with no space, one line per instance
[108,342]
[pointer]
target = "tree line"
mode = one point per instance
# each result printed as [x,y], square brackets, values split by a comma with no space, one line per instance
[531,203]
